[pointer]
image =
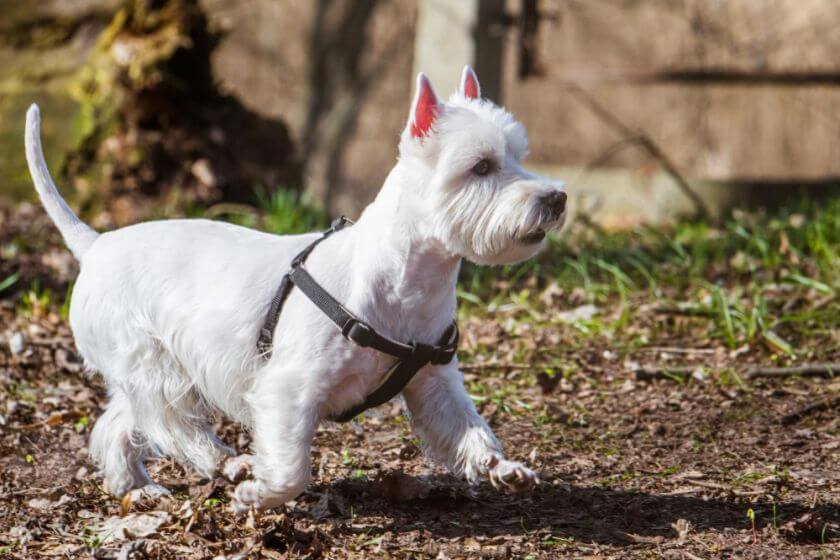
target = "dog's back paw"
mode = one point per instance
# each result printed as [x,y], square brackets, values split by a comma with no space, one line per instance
[238,468]
[151,492]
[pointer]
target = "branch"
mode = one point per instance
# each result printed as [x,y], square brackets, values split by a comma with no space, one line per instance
[641,138]
[508,366]
[686,311]
[808,370]
[823,405]
[647,373]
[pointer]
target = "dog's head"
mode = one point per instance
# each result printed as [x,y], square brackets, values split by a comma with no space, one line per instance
[464,155]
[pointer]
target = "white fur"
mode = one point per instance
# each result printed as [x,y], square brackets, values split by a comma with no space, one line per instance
[169,313]
[76,233]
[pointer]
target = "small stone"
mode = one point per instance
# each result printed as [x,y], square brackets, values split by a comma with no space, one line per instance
[81,474]
[202,171]
[17,343]
[42,504]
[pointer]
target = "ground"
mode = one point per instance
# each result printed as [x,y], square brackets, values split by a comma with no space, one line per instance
[630,370]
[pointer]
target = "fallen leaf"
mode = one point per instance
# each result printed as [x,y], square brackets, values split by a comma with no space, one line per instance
[133,525]
[580,313]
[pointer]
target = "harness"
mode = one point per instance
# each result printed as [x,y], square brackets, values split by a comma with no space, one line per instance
[410,357]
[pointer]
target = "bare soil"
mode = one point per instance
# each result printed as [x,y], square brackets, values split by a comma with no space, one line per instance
[633,466]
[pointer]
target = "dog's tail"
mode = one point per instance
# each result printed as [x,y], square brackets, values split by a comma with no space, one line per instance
[77,235]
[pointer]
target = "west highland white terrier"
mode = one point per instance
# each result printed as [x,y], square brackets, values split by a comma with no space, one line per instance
[170,312]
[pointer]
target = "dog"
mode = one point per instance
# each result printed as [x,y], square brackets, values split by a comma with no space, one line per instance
[169,312]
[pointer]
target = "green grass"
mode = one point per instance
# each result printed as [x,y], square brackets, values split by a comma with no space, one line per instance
[760,278]
[651,258]
[768,279]
[283,211]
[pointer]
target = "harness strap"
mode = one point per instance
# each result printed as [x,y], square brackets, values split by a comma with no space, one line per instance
[264,342]
[410,357]
[400,374]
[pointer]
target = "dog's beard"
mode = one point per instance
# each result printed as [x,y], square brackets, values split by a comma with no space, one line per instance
[513,227]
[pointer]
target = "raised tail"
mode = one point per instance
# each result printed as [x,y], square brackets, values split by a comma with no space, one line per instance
[77,235]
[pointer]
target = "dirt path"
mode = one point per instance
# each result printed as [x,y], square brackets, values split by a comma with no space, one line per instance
[630,469]
[688,463]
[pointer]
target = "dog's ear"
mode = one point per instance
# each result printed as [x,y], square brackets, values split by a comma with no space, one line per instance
[424,108]
[469,83]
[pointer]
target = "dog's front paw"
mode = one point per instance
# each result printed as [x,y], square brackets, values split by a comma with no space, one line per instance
[511,476]
[238,468]
[254,493]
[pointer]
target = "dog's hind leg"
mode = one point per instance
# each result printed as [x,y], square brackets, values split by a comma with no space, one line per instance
[169,410]
[118,449]
[178,425]
[283,429]
[239,467]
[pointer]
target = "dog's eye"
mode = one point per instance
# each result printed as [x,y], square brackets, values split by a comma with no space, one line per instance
[483,167]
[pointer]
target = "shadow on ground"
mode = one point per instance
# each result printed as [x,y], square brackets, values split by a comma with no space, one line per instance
[586,514]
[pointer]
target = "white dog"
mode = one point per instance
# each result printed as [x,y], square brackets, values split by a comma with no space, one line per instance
[170,311]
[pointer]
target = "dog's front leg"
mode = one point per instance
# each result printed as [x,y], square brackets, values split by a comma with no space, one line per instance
[444,417]
[284,422]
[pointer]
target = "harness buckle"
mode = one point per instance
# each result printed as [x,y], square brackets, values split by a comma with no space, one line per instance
[423,352]
[340,222]
[357,332]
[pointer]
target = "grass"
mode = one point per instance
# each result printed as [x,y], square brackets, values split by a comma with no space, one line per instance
[283,211]
[768,279]
[762,278]
[578,318]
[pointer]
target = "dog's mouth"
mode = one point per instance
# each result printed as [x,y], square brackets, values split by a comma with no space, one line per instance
[533,237]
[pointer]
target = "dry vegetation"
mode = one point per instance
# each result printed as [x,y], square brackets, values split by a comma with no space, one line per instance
[628,368]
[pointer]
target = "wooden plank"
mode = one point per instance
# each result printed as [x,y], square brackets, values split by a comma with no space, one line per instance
[732,90]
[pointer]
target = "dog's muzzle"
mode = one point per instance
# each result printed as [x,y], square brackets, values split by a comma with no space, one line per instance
[553,207]
[555,203]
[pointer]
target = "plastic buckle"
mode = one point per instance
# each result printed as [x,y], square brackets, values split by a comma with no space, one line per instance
[339,223]
[423,352]
[358,332]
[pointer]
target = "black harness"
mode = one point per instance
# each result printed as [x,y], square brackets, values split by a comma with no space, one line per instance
[410,357]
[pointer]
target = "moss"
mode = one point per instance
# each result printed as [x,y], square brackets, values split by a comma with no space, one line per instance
[42,32]
[142,106]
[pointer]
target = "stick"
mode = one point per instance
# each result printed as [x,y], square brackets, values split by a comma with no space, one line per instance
[642,139]
[823,405]
[677,350]
[687,311]
[808,370]
[655,372]
[498,365]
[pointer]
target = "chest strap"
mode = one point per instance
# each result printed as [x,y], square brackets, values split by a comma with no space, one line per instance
[411,357]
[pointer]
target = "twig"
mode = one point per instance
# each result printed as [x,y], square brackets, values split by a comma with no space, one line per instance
[678,350]
[610,151]
[823,405]
[710,485]
[499,365]
[687,311]
[587,221]
[642,139]
[808,370]
[646,373]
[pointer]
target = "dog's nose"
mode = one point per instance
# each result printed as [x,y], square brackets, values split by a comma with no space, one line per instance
[556,202]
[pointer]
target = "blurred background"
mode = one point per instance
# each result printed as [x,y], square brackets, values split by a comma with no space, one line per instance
[649,109]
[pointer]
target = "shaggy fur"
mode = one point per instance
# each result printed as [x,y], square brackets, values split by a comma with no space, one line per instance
[169,311]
